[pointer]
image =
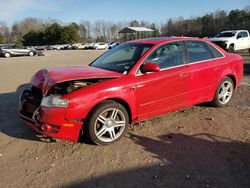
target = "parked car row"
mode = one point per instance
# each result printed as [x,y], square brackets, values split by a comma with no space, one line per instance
[79,46]
[230,41]
[8,50]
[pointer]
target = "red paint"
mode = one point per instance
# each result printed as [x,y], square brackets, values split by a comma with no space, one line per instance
[146,95]
[46,78]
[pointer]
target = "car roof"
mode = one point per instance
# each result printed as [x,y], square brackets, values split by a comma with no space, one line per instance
[160,40]
[6,44]
[233,31]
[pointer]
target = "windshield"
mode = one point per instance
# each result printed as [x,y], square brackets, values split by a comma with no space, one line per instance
[225,34]
[121,58]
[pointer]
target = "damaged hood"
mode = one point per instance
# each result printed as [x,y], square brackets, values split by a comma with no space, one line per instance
[46,78]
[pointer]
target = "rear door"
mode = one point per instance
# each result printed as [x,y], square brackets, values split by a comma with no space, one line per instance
[163,91]
[20,50]
[202,66]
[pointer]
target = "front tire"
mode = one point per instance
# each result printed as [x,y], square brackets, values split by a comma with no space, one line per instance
[224,93]
[107,123]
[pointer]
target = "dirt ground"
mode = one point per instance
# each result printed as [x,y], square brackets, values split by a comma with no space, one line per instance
[200,146]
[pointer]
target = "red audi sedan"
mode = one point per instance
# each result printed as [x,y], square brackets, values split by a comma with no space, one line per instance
[134,81]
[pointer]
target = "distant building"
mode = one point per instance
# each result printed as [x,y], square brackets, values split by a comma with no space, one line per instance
[131,33]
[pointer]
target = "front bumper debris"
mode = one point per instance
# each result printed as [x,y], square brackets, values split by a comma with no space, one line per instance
[50,122]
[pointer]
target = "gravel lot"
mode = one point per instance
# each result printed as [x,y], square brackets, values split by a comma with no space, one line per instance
[200,146]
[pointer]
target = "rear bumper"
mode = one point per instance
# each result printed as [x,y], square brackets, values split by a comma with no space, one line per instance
[48,121]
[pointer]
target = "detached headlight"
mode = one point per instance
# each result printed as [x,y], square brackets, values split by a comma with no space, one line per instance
[54,101]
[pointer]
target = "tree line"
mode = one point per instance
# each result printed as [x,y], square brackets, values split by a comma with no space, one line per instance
[33,31]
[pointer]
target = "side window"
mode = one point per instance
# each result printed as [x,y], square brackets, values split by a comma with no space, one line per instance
[198,51]
[169,55]
[239,35]
[17,47]
[244,34]
[8,47]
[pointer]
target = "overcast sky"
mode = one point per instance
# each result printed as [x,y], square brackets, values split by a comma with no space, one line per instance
[112,10]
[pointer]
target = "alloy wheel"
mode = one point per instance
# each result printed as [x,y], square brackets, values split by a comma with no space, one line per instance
[110,125]
[225,92]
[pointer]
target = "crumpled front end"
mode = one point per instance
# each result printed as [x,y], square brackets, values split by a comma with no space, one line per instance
[46,120]
[44,105]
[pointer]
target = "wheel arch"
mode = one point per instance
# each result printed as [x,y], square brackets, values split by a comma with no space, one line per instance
[230,73]
[233,78]
[124,103]
[89,131]
[215,102]
[229,45]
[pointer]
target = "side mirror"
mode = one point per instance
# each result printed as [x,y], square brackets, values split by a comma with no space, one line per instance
[150,67]
[238,36]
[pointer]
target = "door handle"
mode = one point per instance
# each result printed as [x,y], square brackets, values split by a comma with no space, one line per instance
[183,75]
[132,88]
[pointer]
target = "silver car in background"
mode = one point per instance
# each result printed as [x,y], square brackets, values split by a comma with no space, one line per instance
[8,50]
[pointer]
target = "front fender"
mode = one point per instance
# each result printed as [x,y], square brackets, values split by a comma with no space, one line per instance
[84,100]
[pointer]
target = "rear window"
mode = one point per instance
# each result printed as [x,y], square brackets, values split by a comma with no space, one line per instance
[244,34]
[216,52]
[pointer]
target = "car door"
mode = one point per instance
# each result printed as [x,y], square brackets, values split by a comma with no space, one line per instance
[240,41]
[245,40]
[162,91]
[20,50]
[15,50]
[202,68]
[8,49]
[23,50]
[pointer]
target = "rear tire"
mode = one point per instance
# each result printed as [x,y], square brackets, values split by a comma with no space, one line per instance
[231,48]
[107,123]
[7,55]
[224,93]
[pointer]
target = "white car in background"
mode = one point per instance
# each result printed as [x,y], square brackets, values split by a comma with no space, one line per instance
[90,46]
[101,46]
[56,47]
[113,44]
[233,40]
[79,46]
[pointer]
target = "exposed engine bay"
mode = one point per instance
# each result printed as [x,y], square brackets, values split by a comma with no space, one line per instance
[70,86]
[31,98]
